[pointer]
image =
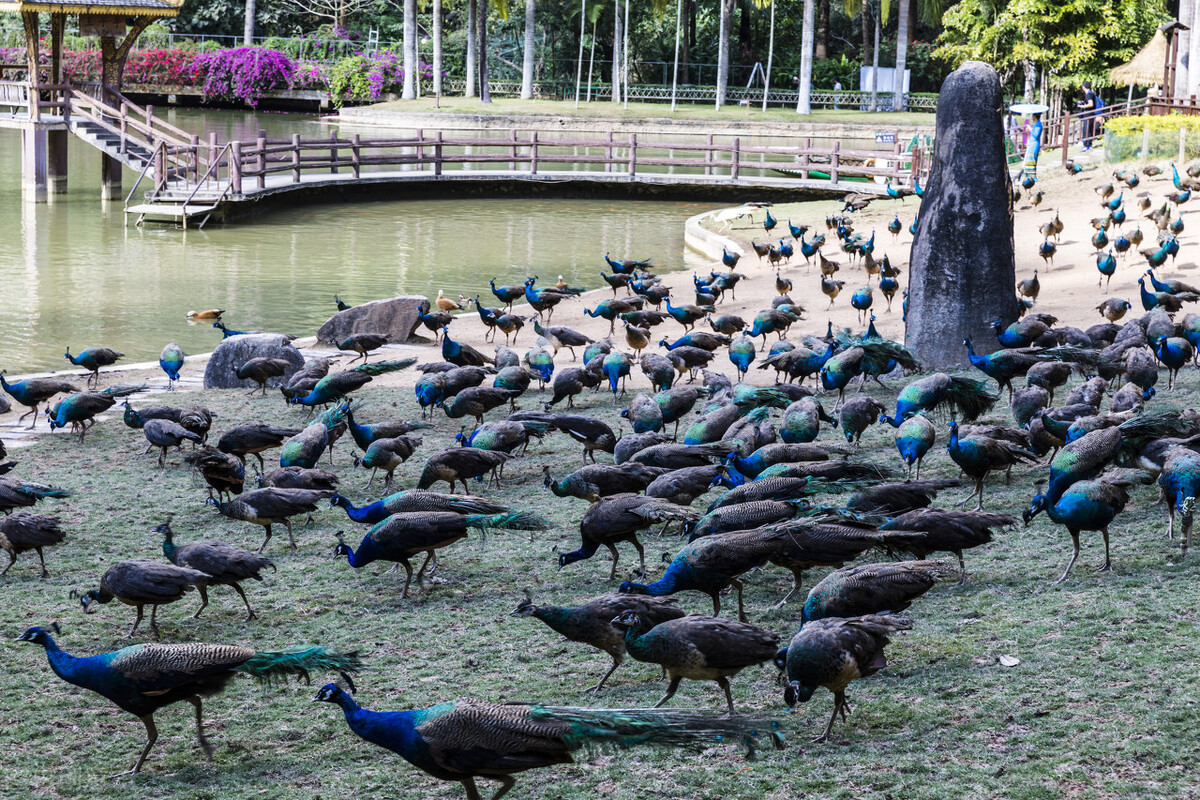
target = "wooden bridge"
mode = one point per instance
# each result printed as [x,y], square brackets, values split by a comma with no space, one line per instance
[187,180]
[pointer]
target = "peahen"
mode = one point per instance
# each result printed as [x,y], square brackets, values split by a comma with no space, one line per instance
[171,361]
[143,678]
[223,473]
[459,464]
[615,519]
[20,533]
[465,739]
[942,530]
[253,439]
[269,507]
[142,582]
[225,564]
[871,589]
[940,391]
[164,434]
[17,493]
[261,370]
[335,386]
[593,481]
[834,652]
[592,622]
[92,359]
[406,534]
[696,647]
[388,455]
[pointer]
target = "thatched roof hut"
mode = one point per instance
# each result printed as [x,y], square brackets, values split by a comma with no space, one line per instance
[1146,68]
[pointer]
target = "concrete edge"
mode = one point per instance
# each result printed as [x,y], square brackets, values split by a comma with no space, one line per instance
[705,242]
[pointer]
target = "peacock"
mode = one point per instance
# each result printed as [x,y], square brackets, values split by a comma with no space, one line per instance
[1089,505]
[593,481]
[915,437]
[1179,481]
[143,678]
[141,582]
[742,353]
[592,623]
[834,652]
[20,533]
[416,500]
[337,385]
[32,392]
[697,648]
[465,740]
[80,409]
[225,564]
[406,534]
[17,493]
[1004,365]
[871,589]
[171,361]
[92,359]
[611,520]
[979,455]
[269,507]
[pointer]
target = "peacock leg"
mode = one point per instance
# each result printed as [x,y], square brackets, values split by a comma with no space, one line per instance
[421,571]
[288,524]
[407,580]
[1075,555]
[136,622]
[506,782]
[250,612]
[1170,520]
[962,568]
[612,548]
[1186,535]
[372,476]
[151,738]
[597,687]
[641,554]
[796,576]
[737,584]
[716,598]
[208,748]
[919,467]
[263,546]
[838,699]
[472,792]
[723,682]
[154,621]
[1107,561]
[671,688]
[261,466]
[12,559]
[203,600]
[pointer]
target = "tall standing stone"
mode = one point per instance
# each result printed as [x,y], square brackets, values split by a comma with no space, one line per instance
[962,273]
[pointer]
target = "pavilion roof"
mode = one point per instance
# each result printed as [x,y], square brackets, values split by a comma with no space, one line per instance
[100,8]
[1146,68]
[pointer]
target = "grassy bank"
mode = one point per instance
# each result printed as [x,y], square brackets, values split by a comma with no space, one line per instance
[1101,704]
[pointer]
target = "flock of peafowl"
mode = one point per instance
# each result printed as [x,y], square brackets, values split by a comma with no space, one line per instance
[756,444]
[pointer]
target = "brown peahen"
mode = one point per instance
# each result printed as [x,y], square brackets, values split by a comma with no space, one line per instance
[260,370]
[20,533]
[271,506]
[253,439]
[459,464]
[592,622]
[871,589]
[944,530]
[834,652]
[593,481]
[225,565]
[697,648]
[615,519]
[142,582]
[224,473]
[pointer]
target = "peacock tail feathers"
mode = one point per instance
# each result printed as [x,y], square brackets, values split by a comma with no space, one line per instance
[627,727]
[970,397]
[332,417]
[123,390]
[514,521]
[384,367]
[272,665]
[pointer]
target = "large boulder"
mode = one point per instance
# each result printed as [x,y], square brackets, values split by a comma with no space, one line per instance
[962,273]
[397,317]
[231,353]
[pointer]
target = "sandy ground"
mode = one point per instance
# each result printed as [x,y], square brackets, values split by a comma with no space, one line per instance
[1069,287]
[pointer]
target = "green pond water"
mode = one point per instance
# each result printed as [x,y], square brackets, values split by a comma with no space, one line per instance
[73,275]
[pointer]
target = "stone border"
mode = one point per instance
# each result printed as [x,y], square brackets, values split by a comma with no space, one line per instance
[705,242]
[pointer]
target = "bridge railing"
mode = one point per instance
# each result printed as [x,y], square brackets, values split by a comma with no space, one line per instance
[259,164]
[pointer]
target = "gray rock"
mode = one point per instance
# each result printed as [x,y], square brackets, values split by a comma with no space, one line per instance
[5,405]
[962,273]
[397,317]
[231,353]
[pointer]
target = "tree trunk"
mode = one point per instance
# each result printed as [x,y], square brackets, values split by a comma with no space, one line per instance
[1030,81]
[804,97]
[1193,51]
[901,53]
[821,51]
[616,59]
[723,51]
[527,64]
[471,34]
[437,47]
[485,92]
[685,54]
[678,32]
[248,29]
[866,32]
[579,65]
[409,92]
[875,68]
[770,58]
[1183,58]
[745,32]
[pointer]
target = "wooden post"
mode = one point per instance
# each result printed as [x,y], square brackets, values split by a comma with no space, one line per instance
[262,159]
[608,152]
[1066,138]
[735,157]
[806,159]
[235,167]
[834,161]
[213,155]
[512,150]
[124,123]
[437,155]
[333,152]
[708,155]
[295,158]
[56,141]
[355,154]
[533,152]
[420,139]
[195,158]
[632,154]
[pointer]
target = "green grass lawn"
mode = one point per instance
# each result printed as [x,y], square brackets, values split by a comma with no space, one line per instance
[1102,704]
[733,113]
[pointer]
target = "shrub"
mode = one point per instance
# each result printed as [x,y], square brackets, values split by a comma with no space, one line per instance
[362,79]
[244,73]
[1130,125]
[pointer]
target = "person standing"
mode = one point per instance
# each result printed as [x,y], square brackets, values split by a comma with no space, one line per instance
[1033,147]
[837,87]
[1087,115]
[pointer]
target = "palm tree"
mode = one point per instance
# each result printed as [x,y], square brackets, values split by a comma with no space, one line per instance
[901,55]
[248,31]
[804,95]
[472,25]
[410,50]
[485,94]
[527,63]
[437,48]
